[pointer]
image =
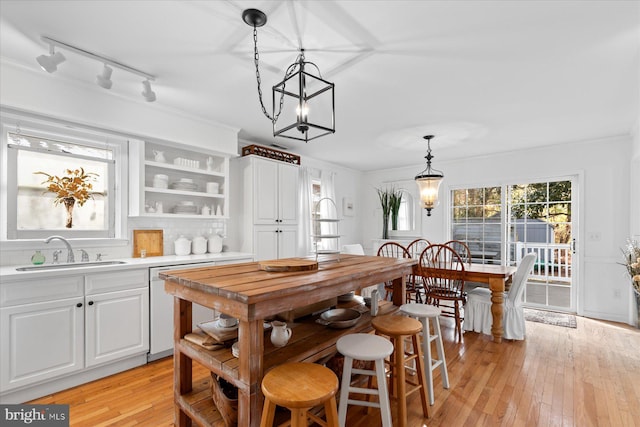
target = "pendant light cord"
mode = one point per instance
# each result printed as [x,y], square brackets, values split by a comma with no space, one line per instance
[256,58]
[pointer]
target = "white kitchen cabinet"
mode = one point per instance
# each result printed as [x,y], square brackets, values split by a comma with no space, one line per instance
[116,315]
[65,325]
[195,183]
[274,242]
[275,192]
[117,325]
[41,341]
[267,207]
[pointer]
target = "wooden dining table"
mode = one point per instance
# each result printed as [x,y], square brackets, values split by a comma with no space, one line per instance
[496,277]
[251,294]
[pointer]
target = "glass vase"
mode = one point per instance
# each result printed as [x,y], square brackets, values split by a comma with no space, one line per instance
[69,203]
[385,226]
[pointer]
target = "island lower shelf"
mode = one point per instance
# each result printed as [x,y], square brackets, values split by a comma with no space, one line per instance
[310,342]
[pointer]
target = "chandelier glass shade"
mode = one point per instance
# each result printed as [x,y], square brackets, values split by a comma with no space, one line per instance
[429,181]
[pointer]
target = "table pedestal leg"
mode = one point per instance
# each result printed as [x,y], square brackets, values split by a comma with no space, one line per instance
[497,308]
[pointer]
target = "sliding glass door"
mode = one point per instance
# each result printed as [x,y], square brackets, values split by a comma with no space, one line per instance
[502,223]
[540,220]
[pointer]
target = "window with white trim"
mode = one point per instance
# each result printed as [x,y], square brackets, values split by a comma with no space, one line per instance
[60,181]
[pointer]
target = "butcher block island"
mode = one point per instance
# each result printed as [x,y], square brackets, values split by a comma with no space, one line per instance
[252,294]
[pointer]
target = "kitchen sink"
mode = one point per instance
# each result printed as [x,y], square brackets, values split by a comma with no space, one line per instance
[63,266]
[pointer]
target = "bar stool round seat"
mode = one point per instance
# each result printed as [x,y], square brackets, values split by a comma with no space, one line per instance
[397,328]
[364,347]
[424,313]
[300,387]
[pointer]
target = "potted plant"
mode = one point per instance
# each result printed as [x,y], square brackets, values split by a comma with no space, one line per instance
[73,187]
[631,252]
[390,199]
[396,201]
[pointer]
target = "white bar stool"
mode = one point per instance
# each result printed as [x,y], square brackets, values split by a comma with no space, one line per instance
[365,347]
[424,312]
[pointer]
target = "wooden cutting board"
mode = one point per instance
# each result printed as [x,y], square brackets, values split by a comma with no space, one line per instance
[291,264]
[149,240]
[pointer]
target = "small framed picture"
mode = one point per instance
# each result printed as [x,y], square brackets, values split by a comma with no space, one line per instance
[347,206]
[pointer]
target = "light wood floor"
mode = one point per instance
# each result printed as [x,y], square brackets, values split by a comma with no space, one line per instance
[589,376]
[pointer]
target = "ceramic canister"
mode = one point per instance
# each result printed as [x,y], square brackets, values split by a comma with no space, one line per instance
[199,245]
[182,246]
[215,244]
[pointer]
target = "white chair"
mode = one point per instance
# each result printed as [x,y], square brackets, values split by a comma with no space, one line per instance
[477,310]
[355,249]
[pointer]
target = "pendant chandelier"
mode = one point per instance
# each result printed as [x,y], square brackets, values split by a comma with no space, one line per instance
[303,106]
[429,181]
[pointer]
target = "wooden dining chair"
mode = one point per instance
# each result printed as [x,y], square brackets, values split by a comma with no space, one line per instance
[415,249]
[395,250]
[461,248]
[443,272]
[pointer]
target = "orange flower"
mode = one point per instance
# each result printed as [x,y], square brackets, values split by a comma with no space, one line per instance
[76,185]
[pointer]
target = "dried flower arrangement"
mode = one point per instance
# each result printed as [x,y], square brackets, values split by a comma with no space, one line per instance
[73,187]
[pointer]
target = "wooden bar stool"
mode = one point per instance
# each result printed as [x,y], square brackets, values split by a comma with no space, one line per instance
[397,328]
[365,347]
[299,387]
[424,312]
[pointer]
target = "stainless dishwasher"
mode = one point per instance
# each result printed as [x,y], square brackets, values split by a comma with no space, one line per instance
[161,312]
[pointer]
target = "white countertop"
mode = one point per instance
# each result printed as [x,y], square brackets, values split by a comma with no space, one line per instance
[9,273]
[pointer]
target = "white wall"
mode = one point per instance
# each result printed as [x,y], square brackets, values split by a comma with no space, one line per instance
[51,95]
[605,208]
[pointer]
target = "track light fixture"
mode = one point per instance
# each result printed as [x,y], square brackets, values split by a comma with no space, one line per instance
[148,94]
[314,113]
[50,64]
[104,79]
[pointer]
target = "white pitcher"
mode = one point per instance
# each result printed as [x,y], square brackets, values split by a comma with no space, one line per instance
[159,156]
[280,334]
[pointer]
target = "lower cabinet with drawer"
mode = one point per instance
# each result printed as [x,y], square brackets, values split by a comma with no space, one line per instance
[68,330]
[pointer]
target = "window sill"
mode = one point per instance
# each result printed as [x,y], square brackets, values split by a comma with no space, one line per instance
[28,244]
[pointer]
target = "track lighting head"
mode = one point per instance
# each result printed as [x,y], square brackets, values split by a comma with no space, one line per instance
[49,63]
[148,94]
[104,79]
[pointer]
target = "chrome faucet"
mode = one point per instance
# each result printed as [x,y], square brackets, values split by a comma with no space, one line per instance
[70,257]
[85,255]
[56,255]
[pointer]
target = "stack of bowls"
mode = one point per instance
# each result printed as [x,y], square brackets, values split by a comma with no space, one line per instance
[160,181]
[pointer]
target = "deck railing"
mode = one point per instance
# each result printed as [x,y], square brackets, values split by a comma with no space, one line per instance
[553,263]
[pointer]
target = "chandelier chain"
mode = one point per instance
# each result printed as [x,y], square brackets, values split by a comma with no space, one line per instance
[256,58]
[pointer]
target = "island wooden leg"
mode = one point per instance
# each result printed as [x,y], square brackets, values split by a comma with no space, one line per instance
[497,307]
[250,399]
[399,291]
[182,365]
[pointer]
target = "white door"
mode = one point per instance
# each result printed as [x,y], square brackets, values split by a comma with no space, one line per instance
[265,192]
[117,325]
[287,194]
[288,242]
[265,241]
[41,341]
[542,219]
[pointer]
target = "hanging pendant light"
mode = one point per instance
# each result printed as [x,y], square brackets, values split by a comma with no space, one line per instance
[303,101]
[429,181]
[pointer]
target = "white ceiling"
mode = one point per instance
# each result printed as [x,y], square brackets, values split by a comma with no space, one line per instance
[483,76]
